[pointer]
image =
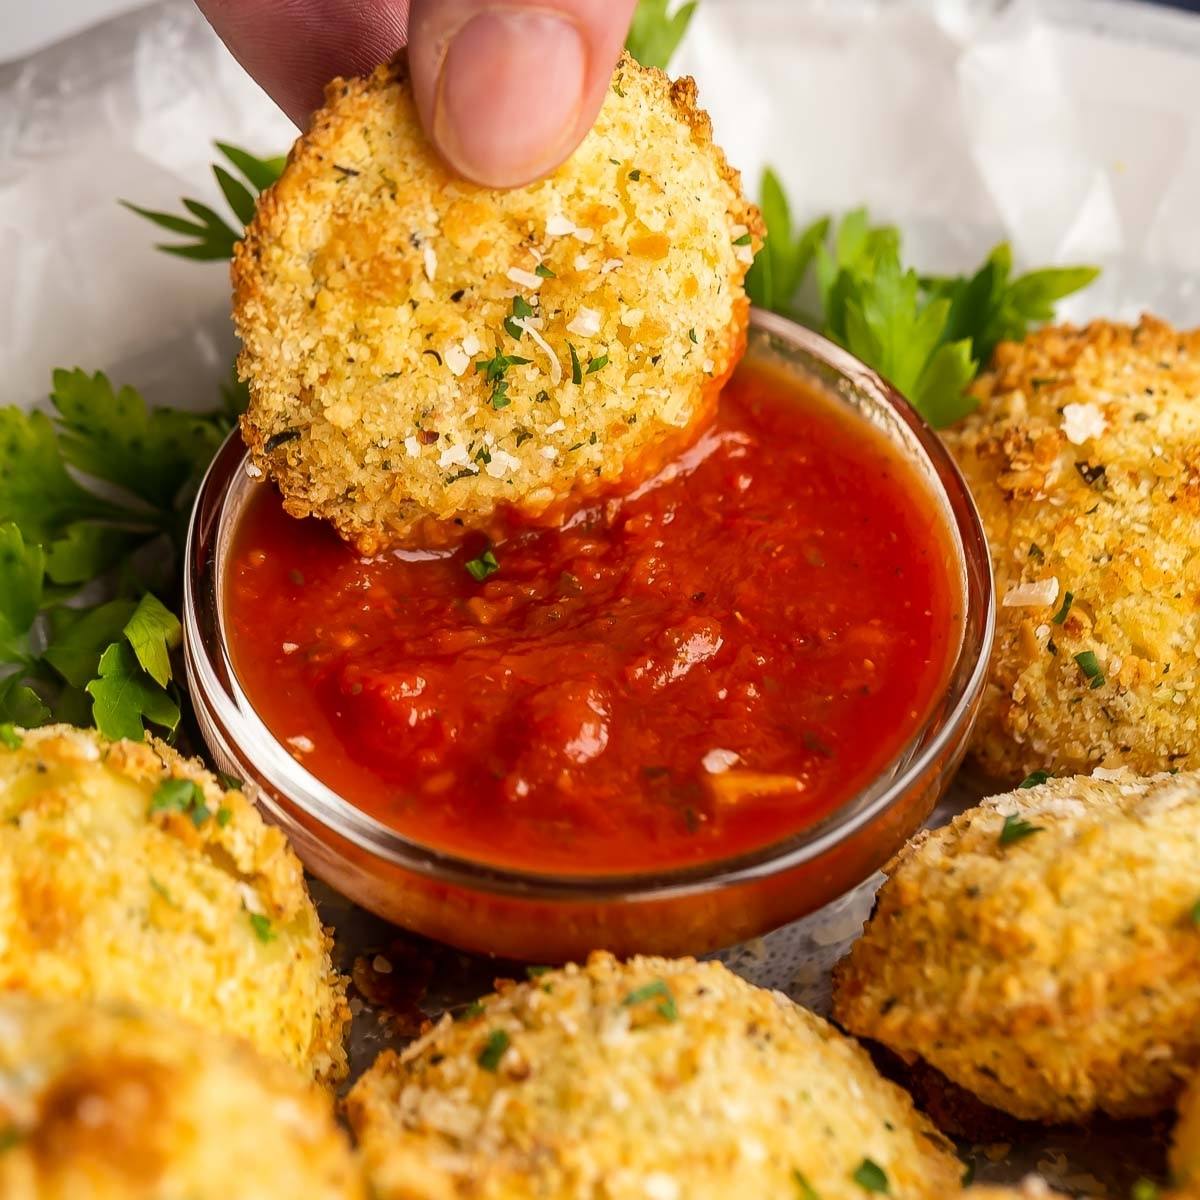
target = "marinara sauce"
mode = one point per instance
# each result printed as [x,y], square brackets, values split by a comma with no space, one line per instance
[706,666]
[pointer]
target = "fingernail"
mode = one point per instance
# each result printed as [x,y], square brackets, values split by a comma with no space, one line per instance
[510,95]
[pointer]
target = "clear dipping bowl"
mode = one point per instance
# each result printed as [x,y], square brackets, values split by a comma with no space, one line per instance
[552,917]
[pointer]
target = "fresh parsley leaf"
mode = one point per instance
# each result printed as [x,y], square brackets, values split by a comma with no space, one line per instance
[22,568]
[1035,779]
[210,236]
[483,567]
[88,549]
[655,32]
[784,260]
[153,631]
[871,1177]
[493,1050]
[1016,829]
[183,796]
[9,736]
[78,637]
[262,928]
[124,695]
[659,990]
[544,271]
[20,704]
[576,367]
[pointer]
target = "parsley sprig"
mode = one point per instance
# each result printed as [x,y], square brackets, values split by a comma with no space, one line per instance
[928,335]
[211,237]
[656,31]
[95,496]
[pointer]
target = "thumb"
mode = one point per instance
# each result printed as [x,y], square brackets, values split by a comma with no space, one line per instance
[508,88]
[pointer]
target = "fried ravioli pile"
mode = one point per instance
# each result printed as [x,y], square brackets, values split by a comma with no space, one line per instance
[656,1078]
[420,350]
[128,873]
[105,1102]
[1042,951]
[1084,460]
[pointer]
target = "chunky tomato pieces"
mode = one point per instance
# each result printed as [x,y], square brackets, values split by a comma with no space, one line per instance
[706,666]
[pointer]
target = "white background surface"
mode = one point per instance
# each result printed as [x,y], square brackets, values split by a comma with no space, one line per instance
[25,25]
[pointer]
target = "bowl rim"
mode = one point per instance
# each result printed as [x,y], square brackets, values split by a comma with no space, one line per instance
[214,683]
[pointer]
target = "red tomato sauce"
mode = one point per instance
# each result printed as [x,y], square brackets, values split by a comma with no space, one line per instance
[706,666]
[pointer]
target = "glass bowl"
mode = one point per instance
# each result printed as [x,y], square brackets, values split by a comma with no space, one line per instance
[554,917]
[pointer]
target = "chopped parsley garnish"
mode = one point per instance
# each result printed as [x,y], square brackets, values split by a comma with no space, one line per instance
[544,271]
[692,335]
[576,366]
[1089,664]
[161,890]
[493,1050]
[182,796]
[1035,779]
[231,783]
[1061,616]
[483,567]
[494,369]
[513,330]
[804,1189]
[537,972]
[597,364]
[658,990]
[1016,829]
[470,1011]
[1196,914]
[521,307]
[1036,552]
[9,736]
[744,240]
[871,1177]
[262,927]
[224,816]
[635,175]
[1094,477]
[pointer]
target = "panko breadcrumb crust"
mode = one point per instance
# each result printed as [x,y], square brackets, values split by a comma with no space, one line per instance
[660,1079]
[1054,969]
[105,896]
[373,282]
[1084,460]
[1185,1145]
[104,1102]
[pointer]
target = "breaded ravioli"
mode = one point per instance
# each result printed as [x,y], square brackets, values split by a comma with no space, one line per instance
[421,351]
[1084,460]
[659,1078]
[129,873]
[1042,951]
[105,1102]
[1185,1144]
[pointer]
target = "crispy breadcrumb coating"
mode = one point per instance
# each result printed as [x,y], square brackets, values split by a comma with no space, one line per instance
[1042,951]
[1084,459]
[373,287]
[105,1102]
[112,889]
[659,1079]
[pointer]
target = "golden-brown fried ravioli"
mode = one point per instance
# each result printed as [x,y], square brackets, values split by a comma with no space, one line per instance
[1084,460]
[1042,950]
[178,898]
[661,1079]
[105,1102]
[374,285]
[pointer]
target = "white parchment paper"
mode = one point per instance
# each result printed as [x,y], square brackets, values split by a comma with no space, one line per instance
[1070,128]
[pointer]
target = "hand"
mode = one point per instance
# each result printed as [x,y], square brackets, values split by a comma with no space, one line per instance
[506,88]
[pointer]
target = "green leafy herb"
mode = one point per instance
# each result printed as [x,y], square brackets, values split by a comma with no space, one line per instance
[521,307]
[224,816]
[597,364]
[470,1011]
[1036,552]
[1035,779]
[544,271]
[744,240]
[123,696]
[1196,913]
[1061,616]
[183,796]
[162,891]
[576,366]
[635,175]
[659,990]
[493,1050]
[927,335]
[537,972]
[1144,1189]
[871,1177]
[483,567]
[1016,829]
[656,31]
[262,927]
[153,632]
[9,736]
[1089,664]
[209,236]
